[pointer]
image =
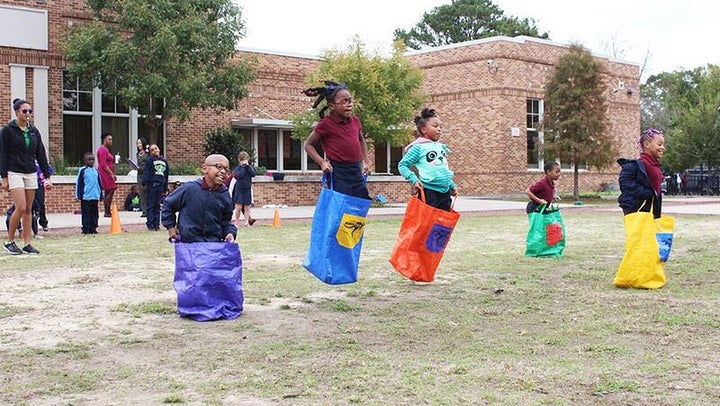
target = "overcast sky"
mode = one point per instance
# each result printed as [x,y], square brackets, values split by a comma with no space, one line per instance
[676,34]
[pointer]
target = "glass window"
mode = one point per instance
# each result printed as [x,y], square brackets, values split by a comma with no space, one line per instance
[267,149]
[311,165]
[381,157]
[77,138]
[534,136]
[119,128]
[291,151]
[77,94]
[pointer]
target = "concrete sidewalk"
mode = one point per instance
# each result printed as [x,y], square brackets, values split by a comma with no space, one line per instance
[464,204]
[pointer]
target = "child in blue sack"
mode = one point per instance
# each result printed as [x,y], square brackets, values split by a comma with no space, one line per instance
[341,138]
[429,157]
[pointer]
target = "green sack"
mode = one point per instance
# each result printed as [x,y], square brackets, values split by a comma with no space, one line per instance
[546,235]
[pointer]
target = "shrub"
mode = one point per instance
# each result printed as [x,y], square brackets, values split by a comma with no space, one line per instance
[229,143]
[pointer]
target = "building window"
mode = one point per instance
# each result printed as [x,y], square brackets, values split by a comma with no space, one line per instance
[77,119]
[291,152]
[267,150]
[387,158]
[534,135]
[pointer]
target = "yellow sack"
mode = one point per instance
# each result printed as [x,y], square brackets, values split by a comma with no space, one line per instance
[640,266]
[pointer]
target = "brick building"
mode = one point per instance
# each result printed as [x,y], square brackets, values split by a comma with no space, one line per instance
[488,93]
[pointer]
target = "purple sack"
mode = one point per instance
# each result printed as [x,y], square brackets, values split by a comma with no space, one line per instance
[208,280]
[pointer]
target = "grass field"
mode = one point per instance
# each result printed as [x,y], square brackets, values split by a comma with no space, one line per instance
[92,321]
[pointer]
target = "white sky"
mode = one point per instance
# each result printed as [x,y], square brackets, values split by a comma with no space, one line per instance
[676,34]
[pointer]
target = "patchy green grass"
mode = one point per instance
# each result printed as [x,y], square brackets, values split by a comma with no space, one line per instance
[493,328]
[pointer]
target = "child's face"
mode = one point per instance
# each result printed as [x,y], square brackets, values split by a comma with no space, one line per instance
[655,147]
[155,151]
[554,173]
[342,104]
[89,160]
[432,129]
[216,169]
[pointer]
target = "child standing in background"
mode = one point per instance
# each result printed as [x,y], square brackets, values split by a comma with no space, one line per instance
[341,138]
[543,192]
[242,193]
[429,157]
[155,179]
[88,190]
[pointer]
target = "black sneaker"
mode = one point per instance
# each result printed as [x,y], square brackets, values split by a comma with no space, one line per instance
[30,249]
[12,248]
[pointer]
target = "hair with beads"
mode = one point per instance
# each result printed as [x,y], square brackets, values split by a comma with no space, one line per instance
[647,135]
[326,93]
[425,115]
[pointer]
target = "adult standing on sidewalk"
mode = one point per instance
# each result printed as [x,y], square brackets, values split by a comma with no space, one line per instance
[142,156]
[20,145]
[106,168]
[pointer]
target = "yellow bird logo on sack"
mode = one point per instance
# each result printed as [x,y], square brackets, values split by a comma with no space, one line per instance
[350,230]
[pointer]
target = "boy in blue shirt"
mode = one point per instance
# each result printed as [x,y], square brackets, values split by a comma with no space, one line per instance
[88,190]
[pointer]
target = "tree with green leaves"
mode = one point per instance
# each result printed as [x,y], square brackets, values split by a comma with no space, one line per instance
[386,92]
[684,104]
[575,121]
[162,58]
[465,20]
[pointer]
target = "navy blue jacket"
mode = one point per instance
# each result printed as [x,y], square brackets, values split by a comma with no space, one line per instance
[205,214]
[156,172]
[636,192]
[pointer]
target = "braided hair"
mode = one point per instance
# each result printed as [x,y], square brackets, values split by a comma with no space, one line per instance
[326,93]
[647,135]
[425,115]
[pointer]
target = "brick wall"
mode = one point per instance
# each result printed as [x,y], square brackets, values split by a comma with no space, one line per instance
[479,107]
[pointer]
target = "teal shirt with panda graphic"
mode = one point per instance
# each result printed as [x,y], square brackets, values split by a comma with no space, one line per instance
[430,160]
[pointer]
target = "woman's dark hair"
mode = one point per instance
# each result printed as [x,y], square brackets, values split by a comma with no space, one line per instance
[326,93]
[423,118]
[104,135]
[550,165]
[17,103]
[144,143]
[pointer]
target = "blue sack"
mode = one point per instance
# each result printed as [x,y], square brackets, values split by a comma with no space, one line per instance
[336,236]
[208,280]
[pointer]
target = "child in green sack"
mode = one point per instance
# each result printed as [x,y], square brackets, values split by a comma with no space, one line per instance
[543,191]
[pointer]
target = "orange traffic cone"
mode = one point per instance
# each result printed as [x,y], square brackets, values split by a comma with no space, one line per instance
[276,219]
[115,227]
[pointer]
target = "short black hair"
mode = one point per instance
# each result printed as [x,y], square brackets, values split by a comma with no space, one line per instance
[550,165]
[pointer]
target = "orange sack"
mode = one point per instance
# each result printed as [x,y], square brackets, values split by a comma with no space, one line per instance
[424,234]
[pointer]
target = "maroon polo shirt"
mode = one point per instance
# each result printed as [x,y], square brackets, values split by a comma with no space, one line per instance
[544,189]
[340,137]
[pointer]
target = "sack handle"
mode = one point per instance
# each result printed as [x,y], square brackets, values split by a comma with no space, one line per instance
[422,198]
[326,180]
[550,207]
[644,203]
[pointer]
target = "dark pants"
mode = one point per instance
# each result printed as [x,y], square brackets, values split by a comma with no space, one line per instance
[154,195]
[438,200]
[89,214]
[40,198]
[143,198]
[348,179]
[107,201]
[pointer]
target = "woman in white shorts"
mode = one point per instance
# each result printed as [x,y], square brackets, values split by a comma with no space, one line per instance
[20,145]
